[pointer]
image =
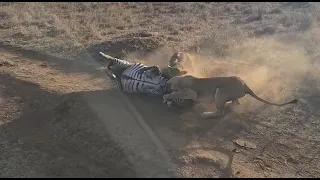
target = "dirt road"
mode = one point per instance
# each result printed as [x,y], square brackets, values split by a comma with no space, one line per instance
[61,119]
[52,128]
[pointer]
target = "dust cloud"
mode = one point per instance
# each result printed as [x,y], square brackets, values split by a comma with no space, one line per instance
[274,67]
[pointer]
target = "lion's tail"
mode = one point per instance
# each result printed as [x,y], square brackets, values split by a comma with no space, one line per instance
[249,91]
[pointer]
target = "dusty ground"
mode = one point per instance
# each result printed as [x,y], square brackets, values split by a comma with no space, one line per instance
[60,117]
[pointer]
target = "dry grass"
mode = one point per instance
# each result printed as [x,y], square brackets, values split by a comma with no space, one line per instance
[274,47]
[69,27]
[64,27]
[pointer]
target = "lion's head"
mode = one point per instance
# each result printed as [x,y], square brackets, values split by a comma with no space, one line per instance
[170,72]
[182,61]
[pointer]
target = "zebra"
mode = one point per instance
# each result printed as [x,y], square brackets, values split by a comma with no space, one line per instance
[137,78]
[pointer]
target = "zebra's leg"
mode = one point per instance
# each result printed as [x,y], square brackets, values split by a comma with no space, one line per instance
[183,94]
[156,70]
[153,92]
[168,102]
[152,71]
[113,61]
[178,97]
[179,103]
[114,79]
[110,74]
[171,102]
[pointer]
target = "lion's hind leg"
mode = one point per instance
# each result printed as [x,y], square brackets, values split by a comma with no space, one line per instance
[221,99]
[234,104]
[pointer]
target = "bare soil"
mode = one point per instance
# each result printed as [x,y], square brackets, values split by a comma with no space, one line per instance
[60,116]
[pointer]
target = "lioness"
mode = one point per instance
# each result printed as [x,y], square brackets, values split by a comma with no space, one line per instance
[218,89]
[170,72]
[181,60]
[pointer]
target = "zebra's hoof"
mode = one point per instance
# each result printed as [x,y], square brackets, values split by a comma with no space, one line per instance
[165,96]
[168,103]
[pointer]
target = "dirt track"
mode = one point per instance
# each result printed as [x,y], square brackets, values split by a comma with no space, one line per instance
[47,119]
[60,118]
[58,123]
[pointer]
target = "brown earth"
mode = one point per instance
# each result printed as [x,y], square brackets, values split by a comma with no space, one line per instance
[61,118]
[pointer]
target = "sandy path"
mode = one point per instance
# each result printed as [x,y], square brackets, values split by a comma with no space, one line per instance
[112,111]
[61,119]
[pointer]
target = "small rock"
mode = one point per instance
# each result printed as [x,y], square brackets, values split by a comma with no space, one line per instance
[6,63]
[4,14]
[292,160]
[248,11]
[246,144]
[44,65]
[236,150]
[252,18]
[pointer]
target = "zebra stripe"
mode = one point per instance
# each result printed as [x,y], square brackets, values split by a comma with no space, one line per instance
[138,78]
[116,61]
[113,79]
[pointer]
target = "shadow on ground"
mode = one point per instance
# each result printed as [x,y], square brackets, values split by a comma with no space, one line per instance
[56,136]
[73,142]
